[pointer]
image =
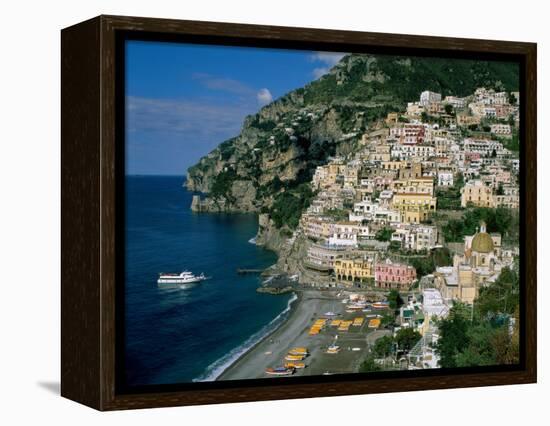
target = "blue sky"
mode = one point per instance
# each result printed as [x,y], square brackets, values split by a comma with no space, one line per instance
[183,100]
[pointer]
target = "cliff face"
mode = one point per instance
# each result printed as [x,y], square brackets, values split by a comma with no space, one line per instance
[291,250]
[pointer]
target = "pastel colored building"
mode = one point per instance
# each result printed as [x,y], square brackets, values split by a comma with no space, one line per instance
[354,272]
[477,194]
[394,275]
[414,207]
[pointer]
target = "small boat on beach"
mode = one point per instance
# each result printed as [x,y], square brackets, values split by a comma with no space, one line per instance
[298,351]
[290,357]
[297,365]
[380,305]
[184,279]
[279,371]
[333,349]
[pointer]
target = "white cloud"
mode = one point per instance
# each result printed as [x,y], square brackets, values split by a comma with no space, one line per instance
[264,96]
[224,84]
[191,119]
[319,72]
[328,58]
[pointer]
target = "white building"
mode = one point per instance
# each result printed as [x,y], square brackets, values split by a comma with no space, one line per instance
[427,98]
[445,178]
[386,217]
[433,304]
[409,152]
[456,102]
[482,146]
[365,207]
[501,129]
[415,237]
[344,235]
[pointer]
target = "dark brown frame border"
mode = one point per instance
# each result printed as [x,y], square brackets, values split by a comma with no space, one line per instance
[88,198]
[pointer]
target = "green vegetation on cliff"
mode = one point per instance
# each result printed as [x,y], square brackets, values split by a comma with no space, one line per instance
[502,220]
[288,206]
[221,185]
[386,79]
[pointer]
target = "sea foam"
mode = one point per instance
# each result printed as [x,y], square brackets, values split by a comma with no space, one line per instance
[215,370]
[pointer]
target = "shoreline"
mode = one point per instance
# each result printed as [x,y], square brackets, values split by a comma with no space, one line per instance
[294,305]
[270,352]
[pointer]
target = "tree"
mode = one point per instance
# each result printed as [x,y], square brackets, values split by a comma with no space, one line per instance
[288,206]
[423,265]
[369,365]
[512,143]
[449,109]
[453,337]
[383,347]
[387,319]
[406,338]
[394,299]
[479,350]
[506,347]
[442,256]
[384,234]
[502,296]
[424,117]
[459,180]
[501,220]
[394,246]
[453,231]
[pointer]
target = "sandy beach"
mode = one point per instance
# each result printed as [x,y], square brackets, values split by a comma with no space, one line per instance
[294,332]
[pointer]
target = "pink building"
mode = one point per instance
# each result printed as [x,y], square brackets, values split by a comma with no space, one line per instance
[394,275]
[472,156]
[409,134]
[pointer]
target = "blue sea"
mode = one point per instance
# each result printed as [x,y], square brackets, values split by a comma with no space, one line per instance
[175,335]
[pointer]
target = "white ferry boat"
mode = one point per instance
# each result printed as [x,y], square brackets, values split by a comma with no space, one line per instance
[183,280]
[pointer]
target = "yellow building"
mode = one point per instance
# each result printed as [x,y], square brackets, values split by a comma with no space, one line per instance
[393,165]
[334,170]
[477,194]
[411,172]
[414,207]
[420,185]
[392,117]
[381,153]
[467,120]
[358,270]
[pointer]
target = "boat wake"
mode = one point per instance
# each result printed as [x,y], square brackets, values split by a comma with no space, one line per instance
[215,370]
[252,240]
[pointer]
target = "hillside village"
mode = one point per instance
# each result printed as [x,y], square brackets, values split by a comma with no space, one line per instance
[426,207]
[394,194]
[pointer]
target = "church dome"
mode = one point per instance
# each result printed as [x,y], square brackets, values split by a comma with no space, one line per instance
[482,243]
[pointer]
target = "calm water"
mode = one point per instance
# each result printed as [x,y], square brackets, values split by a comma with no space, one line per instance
[176,335]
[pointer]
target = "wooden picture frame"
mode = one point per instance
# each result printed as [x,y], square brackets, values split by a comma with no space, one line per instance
[92,87]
